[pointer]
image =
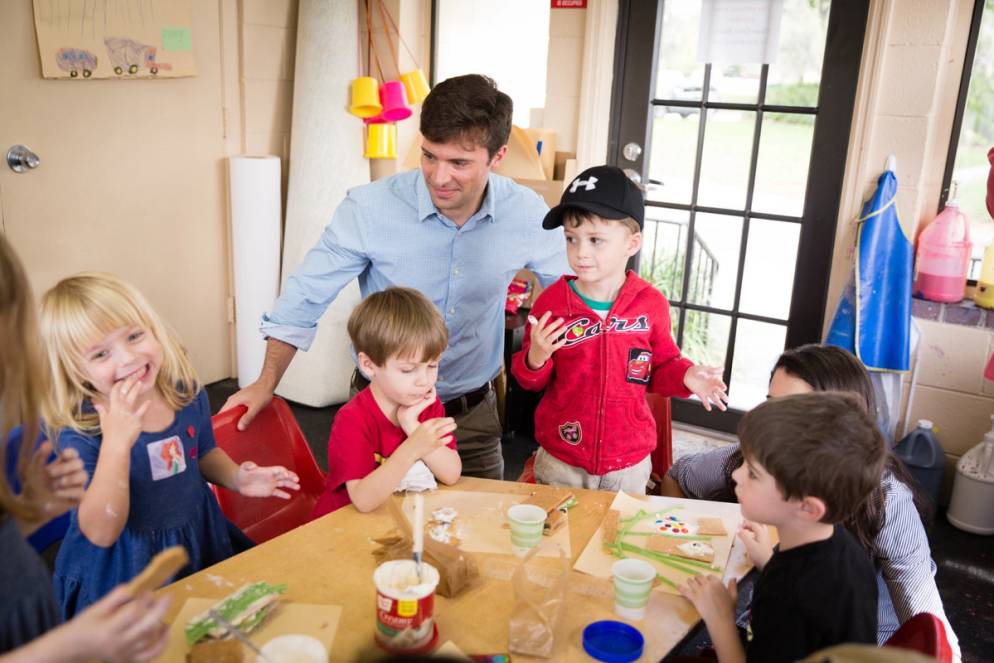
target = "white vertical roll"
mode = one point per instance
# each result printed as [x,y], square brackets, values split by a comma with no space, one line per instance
[254,187]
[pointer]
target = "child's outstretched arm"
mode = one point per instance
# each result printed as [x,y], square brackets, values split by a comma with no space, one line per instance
[716,605]
[248,478]
[372,490]
[705,382]
[104,509]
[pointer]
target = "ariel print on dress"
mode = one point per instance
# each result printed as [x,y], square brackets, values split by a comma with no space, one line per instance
[166,458]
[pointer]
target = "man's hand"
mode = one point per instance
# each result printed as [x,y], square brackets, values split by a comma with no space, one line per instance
[255,397]
[546,337]
[705,383]
[407,415]
[758,544]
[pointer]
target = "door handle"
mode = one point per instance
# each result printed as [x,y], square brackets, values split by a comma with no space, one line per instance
[21,159]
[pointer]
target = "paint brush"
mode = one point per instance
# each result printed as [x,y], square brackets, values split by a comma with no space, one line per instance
[418,545]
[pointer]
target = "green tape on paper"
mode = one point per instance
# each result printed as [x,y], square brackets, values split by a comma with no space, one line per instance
[176,39]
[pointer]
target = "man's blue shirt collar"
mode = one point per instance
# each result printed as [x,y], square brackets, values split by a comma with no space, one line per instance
[426,208]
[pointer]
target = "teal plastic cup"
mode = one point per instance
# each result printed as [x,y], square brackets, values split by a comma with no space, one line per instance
[527,521]
[633,580]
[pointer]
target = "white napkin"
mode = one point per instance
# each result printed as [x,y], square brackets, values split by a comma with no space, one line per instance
[418,478]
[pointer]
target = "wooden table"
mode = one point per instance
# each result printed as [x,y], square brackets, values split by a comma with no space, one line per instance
[329,561]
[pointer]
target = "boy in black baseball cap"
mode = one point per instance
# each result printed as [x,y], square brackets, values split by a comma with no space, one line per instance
[597,341]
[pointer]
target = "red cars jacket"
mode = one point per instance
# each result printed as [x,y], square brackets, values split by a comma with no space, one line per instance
[594,414]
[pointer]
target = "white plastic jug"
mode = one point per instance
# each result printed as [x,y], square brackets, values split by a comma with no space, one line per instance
[972,505]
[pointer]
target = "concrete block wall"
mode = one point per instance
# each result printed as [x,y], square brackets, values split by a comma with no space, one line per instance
[268,35]
[909,79]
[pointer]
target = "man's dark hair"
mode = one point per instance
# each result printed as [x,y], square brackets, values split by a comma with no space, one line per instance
[822,444]
[470,108]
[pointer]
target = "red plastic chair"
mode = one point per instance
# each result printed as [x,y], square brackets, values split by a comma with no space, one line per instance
[662,455]
[273,438]
[925,634]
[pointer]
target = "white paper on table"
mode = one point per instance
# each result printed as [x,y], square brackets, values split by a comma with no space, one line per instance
[739,31]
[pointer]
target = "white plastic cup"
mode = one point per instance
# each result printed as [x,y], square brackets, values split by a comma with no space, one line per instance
[633,580]
[297,648]
[527,522]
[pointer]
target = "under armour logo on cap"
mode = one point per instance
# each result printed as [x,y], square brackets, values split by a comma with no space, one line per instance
[603,191]
[588,184]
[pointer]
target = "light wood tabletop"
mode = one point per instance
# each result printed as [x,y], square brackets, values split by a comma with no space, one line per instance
[330,561]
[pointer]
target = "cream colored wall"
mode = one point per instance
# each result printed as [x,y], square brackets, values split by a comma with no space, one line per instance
[268,36]
[563,72]
[910,74]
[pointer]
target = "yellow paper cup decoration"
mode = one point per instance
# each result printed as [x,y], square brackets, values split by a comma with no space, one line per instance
[416,86]
[381,141]
[365,97]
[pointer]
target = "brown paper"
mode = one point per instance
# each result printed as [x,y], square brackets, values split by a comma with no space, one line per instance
[481,523]
[457,570]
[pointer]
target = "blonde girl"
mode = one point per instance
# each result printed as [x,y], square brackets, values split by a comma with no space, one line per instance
[118,627]
[123,392]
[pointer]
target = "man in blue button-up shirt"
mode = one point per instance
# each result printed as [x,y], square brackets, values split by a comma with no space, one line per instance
[453,230]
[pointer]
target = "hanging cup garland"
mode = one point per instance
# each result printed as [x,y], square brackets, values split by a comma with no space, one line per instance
[381,105]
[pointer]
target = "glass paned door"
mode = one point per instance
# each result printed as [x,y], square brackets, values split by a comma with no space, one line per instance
[742,172]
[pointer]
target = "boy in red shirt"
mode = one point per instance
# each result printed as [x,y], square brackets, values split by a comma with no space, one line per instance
[394,432]
[598,341]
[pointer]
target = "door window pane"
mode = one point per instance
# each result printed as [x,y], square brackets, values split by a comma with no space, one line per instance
[675,322]
[725,161]
[705,337]
[757,346]
[678,74]
[735,84]
[673,154]
[716,242]
[795,76]
[782,168]
[768,277]
[664,245]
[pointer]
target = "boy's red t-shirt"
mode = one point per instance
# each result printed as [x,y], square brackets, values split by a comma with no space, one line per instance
[361,439]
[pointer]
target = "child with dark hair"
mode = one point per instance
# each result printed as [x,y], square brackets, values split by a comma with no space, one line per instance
[817,588]
[890,525]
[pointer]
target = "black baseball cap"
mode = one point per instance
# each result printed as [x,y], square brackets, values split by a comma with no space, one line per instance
[602,190]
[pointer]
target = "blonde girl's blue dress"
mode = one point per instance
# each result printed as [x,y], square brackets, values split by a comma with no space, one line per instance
[171,504]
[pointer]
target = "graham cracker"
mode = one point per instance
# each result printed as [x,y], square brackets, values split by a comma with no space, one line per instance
[711,527]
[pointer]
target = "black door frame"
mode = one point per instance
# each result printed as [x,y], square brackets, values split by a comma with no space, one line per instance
[639,24]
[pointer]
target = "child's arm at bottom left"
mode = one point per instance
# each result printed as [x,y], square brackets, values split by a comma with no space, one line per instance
[248,478]
[716,605]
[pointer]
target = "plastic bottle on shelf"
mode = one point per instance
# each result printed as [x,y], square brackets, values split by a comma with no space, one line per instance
[984,295]
[921,452]
[943,256]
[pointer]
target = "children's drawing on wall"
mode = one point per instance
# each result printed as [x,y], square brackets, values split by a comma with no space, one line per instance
[122,39]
